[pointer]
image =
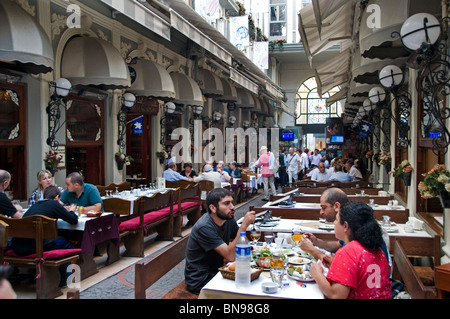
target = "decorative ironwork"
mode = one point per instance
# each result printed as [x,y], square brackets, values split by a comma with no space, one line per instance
[54,114]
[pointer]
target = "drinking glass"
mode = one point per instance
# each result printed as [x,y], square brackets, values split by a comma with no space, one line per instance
[268,237]
[277,274]
[277,260]
[255,235]
[296,235]
[117,190]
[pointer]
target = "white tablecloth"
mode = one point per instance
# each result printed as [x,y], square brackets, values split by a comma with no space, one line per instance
[219,285]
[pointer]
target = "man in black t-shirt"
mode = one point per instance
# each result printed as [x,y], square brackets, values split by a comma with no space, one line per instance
[52,208]
[209,245]
[6,207]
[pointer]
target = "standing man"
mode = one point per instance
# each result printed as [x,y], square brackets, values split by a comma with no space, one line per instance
[282,170]
[81,194]
[305,162]
[209,246]
[266,161]
[6,207]
[315,158]
[293,166]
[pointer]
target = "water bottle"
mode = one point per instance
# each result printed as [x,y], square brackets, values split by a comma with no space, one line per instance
[242,270]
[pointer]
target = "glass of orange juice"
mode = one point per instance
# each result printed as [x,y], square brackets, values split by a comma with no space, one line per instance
[277,260]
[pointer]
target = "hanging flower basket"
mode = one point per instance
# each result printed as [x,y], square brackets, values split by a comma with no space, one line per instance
[406,179]
[444,197]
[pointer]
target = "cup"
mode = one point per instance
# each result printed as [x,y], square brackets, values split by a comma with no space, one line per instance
[390,204]
[277,260]
[394,203]
[386,220]
[277,274]
[363,193]
[371,202]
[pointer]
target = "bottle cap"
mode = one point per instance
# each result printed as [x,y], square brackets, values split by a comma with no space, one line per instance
[243,233]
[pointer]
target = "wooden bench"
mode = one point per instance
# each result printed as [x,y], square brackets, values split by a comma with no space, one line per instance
[152,214]
[46,263]
[188,202]
[148,272]
[380,200]
[397,216]
[413,283]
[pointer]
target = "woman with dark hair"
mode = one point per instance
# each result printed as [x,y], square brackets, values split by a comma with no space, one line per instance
[359,270]
[188,171]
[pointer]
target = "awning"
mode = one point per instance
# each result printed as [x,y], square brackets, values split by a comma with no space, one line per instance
[259,108]
[194,34]
[242,80]
[229,92]
[376,41]
[366,70]
[334,28]
[209,83]
[333,72]
[187,91]
[245,99]
[93,61]
[151,79]
[22,40]
[142,15]
[338,96]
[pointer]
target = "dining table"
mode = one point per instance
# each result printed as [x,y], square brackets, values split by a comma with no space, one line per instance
[89,232]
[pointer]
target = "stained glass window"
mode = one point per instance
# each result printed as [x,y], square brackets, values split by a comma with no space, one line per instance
[312,108]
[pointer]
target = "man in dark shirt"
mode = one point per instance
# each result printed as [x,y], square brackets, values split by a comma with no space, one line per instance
[6,207]
[52,208]
[209,245]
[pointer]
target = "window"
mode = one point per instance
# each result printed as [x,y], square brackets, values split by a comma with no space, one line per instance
[278,19]
[312,108]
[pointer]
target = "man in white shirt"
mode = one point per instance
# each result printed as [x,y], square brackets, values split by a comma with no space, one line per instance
[320,174]
[352,170]
[292,166]
[209,175]
[315,158]
[224,176]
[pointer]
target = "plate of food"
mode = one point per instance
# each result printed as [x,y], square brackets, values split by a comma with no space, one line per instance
[326,226]
[93,213]
[299,260]
[299,273]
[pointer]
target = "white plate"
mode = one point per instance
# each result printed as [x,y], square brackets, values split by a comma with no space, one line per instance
[297,278]
[299,260]
[269,224]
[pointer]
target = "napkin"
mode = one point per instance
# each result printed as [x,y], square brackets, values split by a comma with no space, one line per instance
[286,238]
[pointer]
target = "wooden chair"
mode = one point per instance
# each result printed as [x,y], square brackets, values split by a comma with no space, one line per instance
[153,214]
[176,184]
[123,186]
[46,263]
[413,283]
[148,272]
[188,203]
[103,188]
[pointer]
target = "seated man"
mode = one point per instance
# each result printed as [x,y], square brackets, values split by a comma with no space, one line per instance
[6,207]
[339,175]
[235,170]
[352,170]
[209,246]
[171,174]
[49,207]
[209,175]
[321,174]
[224,176]
[81,194]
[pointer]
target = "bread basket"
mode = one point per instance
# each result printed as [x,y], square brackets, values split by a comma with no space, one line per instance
[228,274]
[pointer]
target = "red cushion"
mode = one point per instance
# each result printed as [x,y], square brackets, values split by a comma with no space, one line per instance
[150,217]
[186,205]
[50,254]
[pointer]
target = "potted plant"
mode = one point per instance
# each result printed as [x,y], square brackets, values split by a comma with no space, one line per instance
[162,156]
[436,184]
[122,159]
[52,160]
[403,170]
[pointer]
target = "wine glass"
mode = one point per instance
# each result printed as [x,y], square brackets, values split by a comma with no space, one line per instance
[255,235]
[268,237]
[296,235]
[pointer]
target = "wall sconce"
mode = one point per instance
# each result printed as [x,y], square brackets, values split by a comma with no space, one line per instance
[231,121]
[217,116]
[128,100]
[197,110]
[61,88]
[169,107]
[422,34]
[245,124]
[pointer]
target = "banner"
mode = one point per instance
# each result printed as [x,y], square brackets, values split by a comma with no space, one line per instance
[239,36]
[208,9]
[138,126]
[261,54]
[365,129]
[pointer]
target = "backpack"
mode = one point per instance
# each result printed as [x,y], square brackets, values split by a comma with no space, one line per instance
[276,163]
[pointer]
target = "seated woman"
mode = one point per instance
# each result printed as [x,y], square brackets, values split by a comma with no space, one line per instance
[359,270]
[188,171]
[45,179]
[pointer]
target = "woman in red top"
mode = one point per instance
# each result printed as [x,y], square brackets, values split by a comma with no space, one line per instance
[359,270]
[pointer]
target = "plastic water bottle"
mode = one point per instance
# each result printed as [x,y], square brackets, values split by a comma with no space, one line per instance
[242,270]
